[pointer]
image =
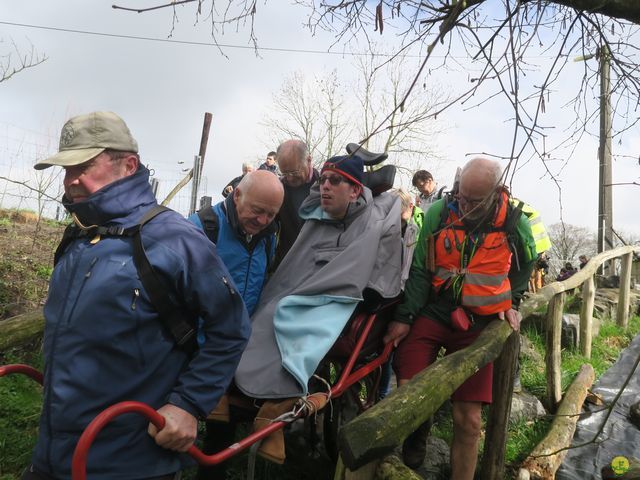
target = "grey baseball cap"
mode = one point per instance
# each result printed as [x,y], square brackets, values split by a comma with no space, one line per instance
[86,136]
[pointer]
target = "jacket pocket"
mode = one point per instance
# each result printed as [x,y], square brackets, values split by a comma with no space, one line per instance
[322,256]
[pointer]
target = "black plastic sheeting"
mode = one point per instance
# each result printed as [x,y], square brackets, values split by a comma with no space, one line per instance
[619,436]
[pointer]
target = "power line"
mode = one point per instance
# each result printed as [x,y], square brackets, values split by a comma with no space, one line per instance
[226,45]
[189,42]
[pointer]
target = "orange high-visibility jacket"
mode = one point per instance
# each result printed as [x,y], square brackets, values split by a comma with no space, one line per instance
[483,282]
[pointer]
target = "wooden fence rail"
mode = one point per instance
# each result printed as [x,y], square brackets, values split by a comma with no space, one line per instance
[554,295]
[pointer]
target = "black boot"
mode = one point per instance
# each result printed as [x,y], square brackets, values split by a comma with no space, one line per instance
[414,447]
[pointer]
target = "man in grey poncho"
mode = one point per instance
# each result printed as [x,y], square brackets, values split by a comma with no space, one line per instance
[349,242]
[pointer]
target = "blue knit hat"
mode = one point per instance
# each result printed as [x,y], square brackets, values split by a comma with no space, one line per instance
[349,166]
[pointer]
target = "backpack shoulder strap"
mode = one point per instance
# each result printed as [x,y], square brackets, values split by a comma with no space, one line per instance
[209,221]
[173,318]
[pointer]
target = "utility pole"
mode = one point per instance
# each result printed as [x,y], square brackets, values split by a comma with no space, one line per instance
[605,197]
[198,162]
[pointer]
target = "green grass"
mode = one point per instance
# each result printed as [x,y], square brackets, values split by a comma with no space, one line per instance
[524,435]
[20,401]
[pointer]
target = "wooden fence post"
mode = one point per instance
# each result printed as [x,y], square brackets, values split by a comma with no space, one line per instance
[622,317]
[586,316]
[552,355]
[504,370]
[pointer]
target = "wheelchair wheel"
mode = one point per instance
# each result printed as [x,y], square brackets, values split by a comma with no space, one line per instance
[355,400]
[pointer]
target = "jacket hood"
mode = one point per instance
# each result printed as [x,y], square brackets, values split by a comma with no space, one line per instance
[311,209]
[121,202]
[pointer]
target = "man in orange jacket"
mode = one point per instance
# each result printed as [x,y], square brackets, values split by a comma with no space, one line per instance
[473,276]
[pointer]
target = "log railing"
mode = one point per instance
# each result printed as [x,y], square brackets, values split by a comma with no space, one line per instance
[554,296]
[384,426]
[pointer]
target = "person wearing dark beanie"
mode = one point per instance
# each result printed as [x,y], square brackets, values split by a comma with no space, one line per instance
[340,184]
[349,166]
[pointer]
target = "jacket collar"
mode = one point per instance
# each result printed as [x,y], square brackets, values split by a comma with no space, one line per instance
[122,202]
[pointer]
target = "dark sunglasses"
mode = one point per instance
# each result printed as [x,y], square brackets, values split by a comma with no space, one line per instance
[334,180]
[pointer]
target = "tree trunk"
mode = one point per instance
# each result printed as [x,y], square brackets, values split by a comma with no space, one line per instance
[586,316]
[504,371]
[540,464]
[622,317]
[20,329]
[552,354]
[384,426]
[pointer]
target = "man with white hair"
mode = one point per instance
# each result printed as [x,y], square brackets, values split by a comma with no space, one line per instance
[297,175]
[475,257]
[246,168]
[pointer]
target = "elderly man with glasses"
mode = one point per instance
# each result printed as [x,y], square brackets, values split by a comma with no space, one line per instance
[471,266]
[297,175]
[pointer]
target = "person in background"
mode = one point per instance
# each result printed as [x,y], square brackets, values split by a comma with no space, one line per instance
[425,184]
[583,261]
[297,175]
[411,223]
[246,168]
[270,163]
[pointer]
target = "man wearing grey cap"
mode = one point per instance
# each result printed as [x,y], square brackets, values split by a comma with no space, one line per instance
[106,339]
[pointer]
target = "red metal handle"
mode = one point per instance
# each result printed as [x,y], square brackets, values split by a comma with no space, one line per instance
[79,461]
[22,369]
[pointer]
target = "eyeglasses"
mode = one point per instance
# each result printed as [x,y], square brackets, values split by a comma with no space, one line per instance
[291,174]
[474,202]
[334,180]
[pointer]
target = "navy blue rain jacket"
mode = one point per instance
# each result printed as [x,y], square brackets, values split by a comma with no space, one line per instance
[104,342]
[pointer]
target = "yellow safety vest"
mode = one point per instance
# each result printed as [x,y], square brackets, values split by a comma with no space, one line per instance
[539,231]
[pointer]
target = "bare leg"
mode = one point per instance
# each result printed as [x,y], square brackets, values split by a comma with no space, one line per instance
[467,424]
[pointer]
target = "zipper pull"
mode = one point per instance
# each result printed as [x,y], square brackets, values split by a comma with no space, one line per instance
[136,294]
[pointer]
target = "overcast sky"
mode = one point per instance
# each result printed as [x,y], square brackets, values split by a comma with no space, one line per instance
[162,90]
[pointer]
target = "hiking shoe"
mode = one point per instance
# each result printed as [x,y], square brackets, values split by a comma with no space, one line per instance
[414,448]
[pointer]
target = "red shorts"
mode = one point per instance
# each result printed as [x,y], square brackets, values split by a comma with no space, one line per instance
[420,349]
